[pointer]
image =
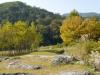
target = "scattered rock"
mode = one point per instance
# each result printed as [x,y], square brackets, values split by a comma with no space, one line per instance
[4,58]
[18,65]
[13,65]
[62,59]
[95,60]
[16,74]
[75,73]
[27,66]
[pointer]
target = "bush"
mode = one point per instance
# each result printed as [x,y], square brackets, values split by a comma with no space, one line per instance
[82,49]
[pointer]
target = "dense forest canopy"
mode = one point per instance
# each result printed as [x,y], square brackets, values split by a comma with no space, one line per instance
[47,23]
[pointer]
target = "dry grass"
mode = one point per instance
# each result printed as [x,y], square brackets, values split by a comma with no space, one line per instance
[42,53]
[45,61]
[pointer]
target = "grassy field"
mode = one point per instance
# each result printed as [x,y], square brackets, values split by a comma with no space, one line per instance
[44,58]
[45,61]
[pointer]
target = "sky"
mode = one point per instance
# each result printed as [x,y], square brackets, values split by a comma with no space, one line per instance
[63,6]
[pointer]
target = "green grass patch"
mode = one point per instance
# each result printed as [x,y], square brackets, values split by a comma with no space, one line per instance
[51,49]
[42,53]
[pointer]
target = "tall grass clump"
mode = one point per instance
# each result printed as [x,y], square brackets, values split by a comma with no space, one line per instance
[81,50]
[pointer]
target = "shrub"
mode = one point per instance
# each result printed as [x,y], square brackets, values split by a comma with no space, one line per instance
[82,49]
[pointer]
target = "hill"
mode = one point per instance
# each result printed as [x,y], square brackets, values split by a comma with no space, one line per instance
[14,11]
[47,22]
[89,14]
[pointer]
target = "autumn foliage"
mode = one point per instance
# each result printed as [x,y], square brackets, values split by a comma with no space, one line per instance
[75,27]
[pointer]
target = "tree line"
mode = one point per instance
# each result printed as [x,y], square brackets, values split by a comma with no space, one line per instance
[19,37]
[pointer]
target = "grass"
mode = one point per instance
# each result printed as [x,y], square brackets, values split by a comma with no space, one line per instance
[52,70]
[51,49]
[47,50]
[42,53]
[45,62]
[43,57]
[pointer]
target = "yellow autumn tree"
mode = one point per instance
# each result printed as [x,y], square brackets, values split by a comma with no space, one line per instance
[75,28]
[70,27]
[91,28]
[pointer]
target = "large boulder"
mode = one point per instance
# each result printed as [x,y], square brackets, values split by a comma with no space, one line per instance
[75,73]
[62,59]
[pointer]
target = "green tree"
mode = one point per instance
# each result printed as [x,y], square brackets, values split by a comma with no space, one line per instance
[74,13]
[55,30]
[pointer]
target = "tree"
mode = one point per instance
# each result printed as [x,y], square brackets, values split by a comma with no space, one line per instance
[55,30]
[97,31]
[15,11]
[75,28]
[88,28]
[70,28]
[6,36]
[19,37]
[35,37]
[74,13]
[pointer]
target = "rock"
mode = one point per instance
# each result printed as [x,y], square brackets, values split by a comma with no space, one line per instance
[62,59]
[97,73]
[75,73]
[97,66]
[27,66]
[13,65]
[36,67]
[80,62]
[4,58]
[18,65]
[16,74]
[95,60]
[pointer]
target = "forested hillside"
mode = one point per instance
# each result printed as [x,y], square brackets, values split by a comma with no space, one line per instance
[47,23]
